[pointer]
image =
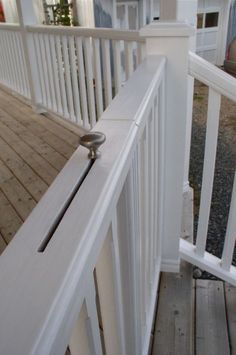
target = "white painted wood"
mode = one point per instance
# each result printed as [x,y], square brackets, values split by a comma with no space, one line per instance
[37,45]
[27,16]
[68,78]
[79,342]
[212,76]
[172,40]
[106,294]
[49,313]
[81,72]
[61,77]
[23,66]
[98,77]
[50,64]
[141,52]
[118,282]
[106,71]
[89,81]
[45,70]
[103,33]
[74,77]
[92,322]
[230,236]
[209,262]
[117,65]
[129,65]
[214,100]
[56,75]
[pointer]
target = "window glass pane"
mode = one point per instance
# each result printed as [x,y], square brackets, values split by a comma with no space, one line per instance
[212,19]
[199,20]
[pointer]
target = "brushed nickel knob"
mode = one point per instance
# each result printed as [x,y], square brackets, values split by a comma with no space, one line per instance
[92,141]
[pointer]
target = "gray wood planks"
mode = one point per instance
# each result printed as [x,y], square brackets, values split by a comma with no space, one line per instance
[211,323]
[33,149]
[37,144]
[173,331]
[230,301]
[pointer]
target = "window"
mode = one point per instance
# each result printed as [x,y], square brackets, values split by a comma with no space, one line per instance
[200,20]
[208,19]
[211,19]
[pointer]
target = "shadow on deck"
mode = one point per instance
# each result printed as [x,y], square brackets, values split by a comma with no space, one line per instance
[33,150]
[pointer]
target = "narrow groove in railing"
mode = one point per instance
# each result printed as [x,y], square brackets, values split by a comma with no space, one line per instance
[52,230]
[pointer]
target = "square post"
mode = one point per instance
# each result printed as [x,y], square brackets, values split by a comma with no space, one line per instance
[172,40]
[27,17]
[183,10]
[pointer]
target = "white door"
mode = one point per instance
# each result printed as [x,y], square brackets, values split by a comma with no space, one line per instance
[207,33]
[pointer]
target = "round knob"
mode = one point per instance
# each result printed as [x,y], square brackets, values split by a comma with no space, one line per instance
[92,141]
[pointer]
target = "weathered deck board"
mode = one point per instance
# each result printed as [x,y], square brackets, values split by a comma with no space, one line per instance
[55,127]
[37,129]
[3,244]
[33,150]
[37,144]
[22,171]
[10,221]
[230,301]
[33,159]
[173,331]
[211,324]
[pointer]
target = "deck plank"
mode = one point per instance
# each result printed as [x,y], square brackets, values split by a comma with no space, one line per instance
[10,221]
[33,159]
[22,171]
[15,192]
[3,244]
[33,125]
[173,331]
[55,127]
[33,149]
[230,301]
[37,144]
[211,323]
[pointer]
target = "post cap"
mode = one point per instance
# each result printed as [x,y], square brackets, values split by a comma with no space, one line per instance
[167,29]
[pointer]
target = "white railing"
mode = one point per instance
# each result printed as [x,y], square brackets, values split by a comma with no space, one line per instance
[79,70]
[13,70]
[219,83]
[89,256]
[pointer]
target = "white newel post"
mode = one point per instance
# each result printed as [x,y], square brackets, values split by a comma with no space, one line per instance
[27,17]
[183,10]
[172,40]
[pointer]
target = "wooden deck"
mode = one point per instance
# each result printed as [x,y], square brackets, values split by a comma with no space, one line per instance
[33,150]
[194,316]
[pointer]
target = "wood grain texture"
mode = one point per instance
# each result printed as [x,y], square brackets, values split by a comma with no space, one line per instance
[211,323]
[230,301]
[173,331]
[33,149]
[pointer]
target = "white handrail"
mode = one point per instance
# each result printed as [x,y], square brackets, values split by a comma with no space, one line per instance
[102,33]
[9,26]
[212,76]
[219,83]
[50,286]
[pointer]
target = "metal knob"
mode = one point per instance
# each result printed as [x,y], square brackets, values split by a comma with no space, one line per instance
[92,141]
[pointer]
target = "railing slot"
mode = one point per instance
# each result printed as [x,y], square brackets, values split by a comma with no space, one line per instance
[54,226]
